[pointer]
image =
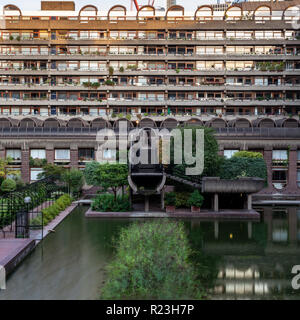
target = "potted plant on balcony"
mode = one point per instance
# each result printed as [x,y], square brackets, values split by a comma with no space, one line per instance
[195,201]
[170,200]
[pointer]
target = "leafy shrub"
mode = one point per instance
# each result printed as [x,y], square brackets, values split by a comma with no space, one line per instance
[152,262]
[248,154]
[182,199]
[237,167]
[107,203]
[170,198]
[75,179]
[8,185]
[196,199]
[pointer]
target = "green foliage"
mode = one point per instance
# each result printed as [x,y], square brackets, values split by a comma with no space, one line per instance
[90,173]
[107,203]
[54,210]
[38,163]
[196,199]
[51,170]
[182,199]
[74,179]
[248,154]
[170,198]
[8,185]
[152,262]
[236,167]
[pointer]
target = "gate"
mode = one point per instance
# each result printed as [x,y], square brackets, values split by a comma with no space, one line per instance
[21,212]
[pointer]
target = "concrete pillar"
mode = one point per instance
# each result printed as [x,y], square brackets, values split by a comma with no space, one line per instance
[216,229]
[292,218]
[249,201]
[268,160]
[216,202]
[50,155]
[2,153]
[25,169]
[162,198]
[74,158]
[249,230]
[146,203]
[292,173]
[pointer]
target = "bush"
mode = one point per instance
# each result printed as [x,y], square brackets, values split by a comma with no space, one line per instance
[248,154]
[196,199]
[8,185]
[182,199]
[237,167]
[75,180]
[90,173]
[152,262]
[170,199]
[107,203]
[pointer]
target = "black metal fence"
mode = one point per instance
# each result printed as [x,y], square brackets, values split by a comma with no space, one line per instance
[22,210]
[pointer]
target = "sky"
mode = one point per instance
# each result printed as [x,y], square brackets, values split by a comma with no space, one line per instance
[189,5]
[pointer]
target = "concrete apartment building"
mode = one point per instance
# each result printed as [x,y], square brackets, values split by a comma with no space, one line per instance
[66,73]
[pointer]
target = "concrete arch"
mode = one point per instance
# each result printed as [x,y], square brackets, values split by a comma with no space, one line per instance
[260,7]
[293,17]
[28,123]
[100,123]
[77,123]
[194,122]
[12,7]
[169,123]
[175,8]
[145,9]
[86,7]
[240,123]
[264,123]
[201,9]
[216,123]
[287,123]
[235,7]
[147,123]
[118,6]
[5,123]
[116,123]
[53,123]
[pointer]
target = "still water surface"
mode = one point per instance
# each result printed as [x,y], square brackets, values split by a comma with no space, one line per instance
[241,260]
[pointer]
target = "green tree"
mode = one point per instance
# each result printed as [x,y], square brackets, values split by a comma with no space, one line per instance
[112,176]
[74,179]
[152,262]
[248,154]
[90,173]
[8,185]
[51,170]
[4,168]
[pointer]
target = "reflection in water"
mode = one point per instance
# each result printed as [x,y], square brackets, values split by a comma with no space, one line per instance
[234,260]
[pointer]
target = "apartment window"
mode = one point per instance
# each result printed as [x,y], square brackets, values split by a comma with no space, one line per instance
[229,153]
[279,157]
[298,177]
[279,178]
[14,154]
[62,154]
[86,154]
[38,153]
[298,156]
[34,172]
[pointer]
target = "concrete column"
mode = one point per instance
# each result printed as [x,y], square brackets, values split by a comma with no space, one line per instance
[249,201]
[2,153]
[249,230]
[216,229]
[162,198]
[292,218]
[216,202]
[25,169]
[268,160]
[74,158]
[146,203]
[292,173]
[50,155]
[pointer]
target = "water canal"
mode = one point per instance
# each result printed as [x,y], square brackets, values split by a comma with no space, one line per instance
[241,260]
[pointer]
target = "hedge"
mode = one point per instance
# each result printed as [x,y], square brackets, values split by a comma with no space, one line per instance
[106,202]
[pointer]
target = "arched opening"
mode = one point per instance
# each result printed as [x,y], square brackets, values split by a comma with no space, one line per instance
[169,123]
[51,123]
[100,123]
[234,12]
[117,123]
[265,123]
[175,12]
[204,12]
[147,123]
[217,123]
[117,12]
[194,122]
[76,123]
[5,123]
[290,123]
[262,13]
[241,123]
[12,8]
[146,13]
[88,11]
[291,13]
[27,123]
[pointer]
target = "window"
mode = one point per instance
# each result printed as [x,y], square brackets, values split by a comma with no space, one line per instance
[15,154]
[279,179]
[229,153]
[38,153]
[279,155]
[62,154]
[298,178]
[298,155]
[34,173]
[86,154]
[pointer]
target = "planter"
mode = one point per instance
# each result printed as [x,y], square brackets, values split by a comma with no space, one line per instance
[195,209]
[170,209]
